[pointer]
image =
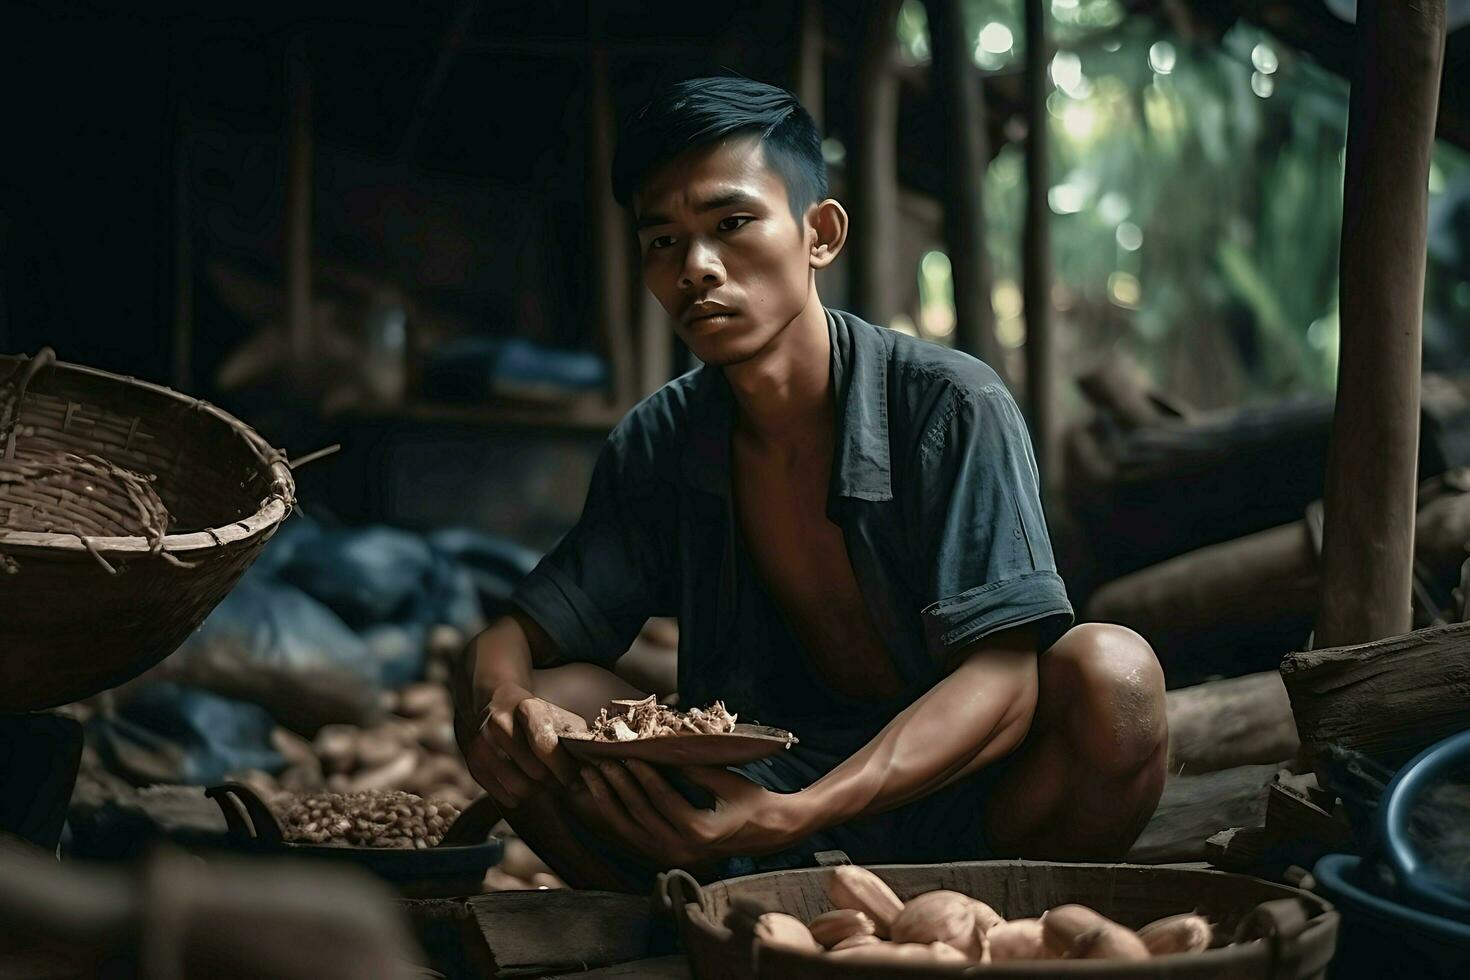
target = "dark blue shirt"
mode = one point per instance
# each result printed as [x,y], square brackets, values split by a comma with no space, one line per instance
[933,484]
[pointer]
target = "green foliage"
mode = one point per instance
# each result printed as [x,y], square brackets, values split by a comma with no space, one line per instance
[1197,199]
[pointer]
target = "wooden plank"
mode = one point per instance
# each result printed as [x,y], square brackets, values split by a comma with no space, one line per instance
[531,933]
[1298,830]
[1388,699]
[1222,724]
[1194,808]
[1372,458]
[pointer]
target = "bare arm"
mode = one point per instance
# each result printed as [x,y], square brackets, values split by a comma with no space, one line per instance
[509,712]
[974,717]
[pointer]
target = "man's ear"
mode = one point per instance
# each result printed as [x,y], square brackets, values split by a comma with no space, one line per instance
[827,221]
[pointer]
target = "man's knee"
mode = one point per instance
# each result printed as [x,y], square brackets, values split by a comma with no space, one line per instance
[1116,689]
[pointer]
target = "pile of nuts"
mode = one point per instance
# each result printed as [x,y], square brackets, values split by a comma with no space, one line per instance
[649,719]
[411,750]
[869,922]
[411,754]
[370,819]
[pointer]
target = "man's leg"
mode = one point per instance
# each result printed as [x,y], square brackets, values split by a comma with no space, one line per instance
[553,831]
[1089,775]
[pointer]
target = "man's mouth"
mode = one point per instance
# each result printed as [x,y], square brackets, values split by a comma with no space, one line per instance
[709,313]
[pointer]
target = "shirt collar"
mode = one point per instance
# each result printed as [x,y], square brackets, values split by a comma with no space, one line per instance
[861,466]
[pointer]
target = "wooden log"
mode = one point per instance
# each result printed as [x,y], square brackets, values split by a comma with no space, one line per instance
[539,932]
[1235,722]
[1254,580]
[1372,456]
[965,162]
[1194,808]
[875,167]
[1261,589]
[1298,830]
[1113,387]
[1388,699]
[1041,367]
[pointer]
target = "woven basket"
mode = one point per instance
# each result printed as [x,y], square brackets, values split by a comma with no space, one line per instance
[1297,930]
[156,503]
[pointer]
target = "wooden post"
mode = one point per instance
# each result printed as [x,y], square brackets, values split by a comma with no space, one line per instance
[875,168]
[1368,533]
[809,60]
[609,239]
[1036,252]
[298,204]
[655,342]
[966,157]
[183,346]
[454,41]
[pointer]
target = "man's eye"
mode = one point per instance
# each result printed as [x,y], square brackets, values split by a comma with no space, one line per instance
[662,241]
[734,221]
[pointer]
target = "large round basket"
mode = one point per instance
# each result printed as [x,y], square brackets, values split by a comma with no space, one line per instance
[1297,930]
[83,611]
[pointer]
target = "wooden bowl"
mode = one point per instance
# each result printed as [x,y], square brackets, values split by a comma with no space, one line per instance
[746,743]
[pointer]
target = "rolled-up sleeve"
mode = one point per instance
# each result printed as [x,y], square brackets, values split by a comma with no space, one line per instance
[593,592]
[986,562]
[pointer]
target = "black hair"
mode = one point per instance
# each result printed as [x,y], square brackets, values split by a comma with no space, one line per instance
[701,111]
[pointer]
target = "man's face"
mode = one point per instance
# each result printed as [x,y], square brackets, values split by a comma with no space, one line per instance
[721,250]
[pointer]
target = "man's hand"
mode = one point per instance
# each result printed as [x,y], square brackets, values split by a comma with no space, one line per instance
[516,753]
[633,805]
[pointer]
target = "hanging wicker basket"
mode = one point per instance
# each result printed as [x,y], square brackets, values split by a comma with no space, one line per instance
[127,512]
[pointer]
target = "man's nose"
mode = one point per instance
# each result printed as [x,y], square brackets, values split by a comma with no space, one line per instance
[702,267]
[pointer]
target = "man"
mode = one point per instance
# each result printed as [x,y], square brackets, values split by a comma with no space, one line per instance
[846,522]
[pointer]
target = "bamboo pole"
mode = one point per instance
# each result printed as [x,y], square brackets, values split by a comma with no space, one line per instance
[1036,253]
[1368,533]
[611,259]
[875,167]
[298,204]
[966,157]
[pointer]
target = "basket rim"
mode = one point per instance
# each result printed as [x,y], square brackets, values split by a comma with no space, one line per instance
[272,510]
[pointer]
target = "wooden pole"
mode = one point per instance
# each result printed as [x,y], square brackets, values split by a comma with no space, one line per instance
[1036,253]
[609,239]
[875,168]
[183,347]
[809,60]
[966,157]
[1368,534]
[655,343]
[298,204]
